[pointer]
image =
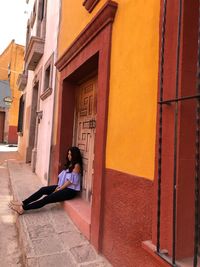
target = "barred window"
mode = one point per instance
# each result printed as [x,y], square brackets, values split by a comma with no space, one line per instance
[21,115]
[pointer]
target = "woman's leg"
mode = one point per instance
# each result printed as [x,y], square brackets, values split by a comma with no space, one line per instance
[46,190]
[58,196]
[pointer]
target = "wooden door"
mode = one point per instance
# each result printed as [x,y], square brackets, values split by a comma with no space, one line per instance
[2,122]
[85,130]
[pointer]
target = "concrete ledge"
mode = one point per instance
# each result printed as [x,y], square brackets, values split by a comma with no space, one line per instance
[79,211]
[151,249]
[166,260]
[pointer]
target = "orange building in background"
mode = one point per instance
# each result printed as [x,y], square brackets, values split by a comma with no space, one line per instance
[11,64]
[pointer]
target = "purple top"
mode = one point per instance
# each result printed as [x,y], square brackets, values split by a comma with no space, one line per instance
[73,177]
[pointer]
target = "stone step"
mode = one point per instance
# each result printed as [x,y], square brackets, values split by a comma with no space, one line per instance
[79,211]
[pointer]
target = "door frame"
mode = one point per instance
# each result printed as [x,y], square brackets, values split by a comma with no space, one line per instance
[35,103]
[77,62]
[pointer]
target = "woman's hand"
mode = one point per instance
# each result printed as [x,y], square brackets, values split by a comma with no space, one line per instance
[57,189]
[64,186]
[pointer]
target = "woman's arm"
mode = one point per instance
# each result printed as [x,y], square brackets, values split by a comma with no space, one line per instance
[66,184]
[76,169]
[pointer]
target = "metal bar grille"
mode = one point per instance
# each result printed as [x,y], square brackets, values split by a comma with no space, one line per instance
[175,130]
[196,235]
[169,101]
[176,101]
[21,115]
[160,123]
[176,135]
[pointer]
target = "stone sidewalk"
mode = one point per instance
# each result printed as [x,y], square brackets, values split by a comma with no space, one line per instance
[47,236]
[10,253]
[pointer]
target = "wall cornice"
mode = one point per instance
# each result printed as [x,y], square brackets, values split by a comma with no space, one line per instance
[90,4]
[104,17]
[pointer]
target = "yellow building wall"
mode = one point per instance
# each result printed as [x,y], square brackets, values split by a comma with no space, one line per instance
[17,63]
[133,80]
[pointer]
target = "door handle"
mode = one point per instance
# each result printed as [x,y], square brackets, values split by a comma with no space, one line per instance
[92,124]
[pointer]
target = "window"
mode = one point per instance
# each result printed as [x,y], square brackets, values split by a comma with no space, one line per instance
[47,78]
[21,115]
[28,33]
[42,10]
[41,19]
[33,15]
[48,75]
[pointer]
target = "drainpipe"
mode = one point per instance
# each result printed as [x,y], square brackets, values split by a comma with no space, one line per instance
[54,93]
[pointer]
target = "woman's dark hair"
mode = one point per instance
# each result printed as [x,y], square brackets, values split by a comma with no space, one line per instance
[76,158]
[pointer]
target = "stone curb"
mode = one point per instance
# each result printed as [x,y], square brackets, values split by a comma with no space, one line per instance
[48,237]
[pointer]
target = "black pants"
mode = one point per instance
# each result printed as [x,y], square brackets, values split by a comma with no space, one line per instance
[34,201]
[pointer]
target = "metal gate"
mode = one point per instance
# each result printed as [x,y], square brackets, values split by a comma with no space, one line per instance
[175,101]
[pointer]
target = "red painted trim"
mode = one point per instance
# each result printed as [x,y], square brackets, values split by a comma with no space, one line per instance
[90,4]
[93,43]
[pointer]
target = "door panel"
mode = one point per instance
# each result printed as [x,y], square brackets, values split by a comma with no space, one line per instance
[85,130]
[2,122]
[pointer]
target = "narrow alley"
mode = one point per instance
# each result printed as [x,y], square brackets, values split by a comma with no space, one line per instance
[100,103]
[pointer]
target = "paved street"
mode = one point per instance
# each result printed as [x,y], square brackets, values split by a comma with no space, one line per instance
[9,249]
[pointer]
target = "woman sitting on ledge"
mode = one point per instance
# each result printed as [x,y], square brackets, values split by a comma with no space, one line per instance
[69,184]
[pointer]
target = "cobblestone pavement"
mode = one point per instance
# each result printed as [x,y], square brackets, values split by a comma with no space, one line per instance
[10,254]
